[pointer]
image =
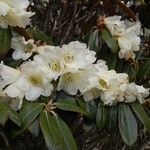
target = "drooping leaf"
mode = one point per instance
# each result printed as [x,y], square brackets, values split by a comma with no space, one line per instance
[39,35]
[127,124]
[69,106]
[141,114]
[65,134]
[5,41]
[28,114]
[91,110]
[81,103]
[94,40]
[34,128]
[144,69]
[110,40]
[101,116]
[4,137]
[56,133]
[112,119]
[14,116]
[48,128]
[4,112]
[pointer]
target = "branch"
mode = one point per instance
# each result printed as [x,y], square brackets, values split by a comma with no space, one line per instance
[22,32]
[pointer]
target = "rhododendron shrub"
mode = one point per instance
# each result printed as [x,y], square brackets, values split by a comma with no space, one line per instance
[94,74]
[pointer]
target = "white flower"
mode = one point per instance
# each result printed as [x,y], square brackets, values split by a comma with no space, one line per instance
[50,61]
[71,82]
[91,94]
[129,43]
[92,91]
[23,49]
[106,84]
[135,92]
[127,33]
[13,13]
[131,93]
[115,90]
[16,94]
[20,4]
[114,25]
[76,56]
[142,93]
[8,75]
[34,82]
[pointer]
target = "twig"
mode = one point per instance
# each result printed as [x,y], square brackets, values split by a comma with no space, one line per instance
[22,32]
[70,26]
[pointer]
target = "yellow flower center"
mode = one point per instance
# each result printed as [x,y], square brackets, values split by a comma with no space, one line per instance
[102,83]
[68,77]
[35,80]
[55,65]
[68,57]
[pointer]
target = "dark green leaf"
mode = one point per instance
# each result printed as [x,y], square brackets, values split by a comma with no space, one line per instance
[141,114]
[56,133]
[28,114]
[34,128]
[48,129]
[101,116]
[127,124]
[93,41]
[112,119]
[4,112]
[39,35]
[91,110]
[112,61]
[144,69]
[5,41]
[81,103]
[65,133]
[110,40]
[3,135]
[69,106]
[14,116]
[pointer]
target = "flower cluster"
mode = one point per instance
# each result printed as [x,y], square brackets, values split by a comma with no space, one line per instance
[113,87]
[13,13]
[127,34]
[75,68]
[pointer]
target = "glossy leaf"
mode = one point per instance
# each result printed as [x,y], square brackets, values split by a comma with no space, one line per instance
[14,116]
[127,124]
[34,128]
[39,35]
[56,133]
[4,137]
[110,40]
[81,103]
[93,40]
[66,135]
[144,69]
[91,110]
[101,116]
[5,41]
[48,129]
[28,114]
[112,119]
[69,106]
[4,112]
[141,114]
